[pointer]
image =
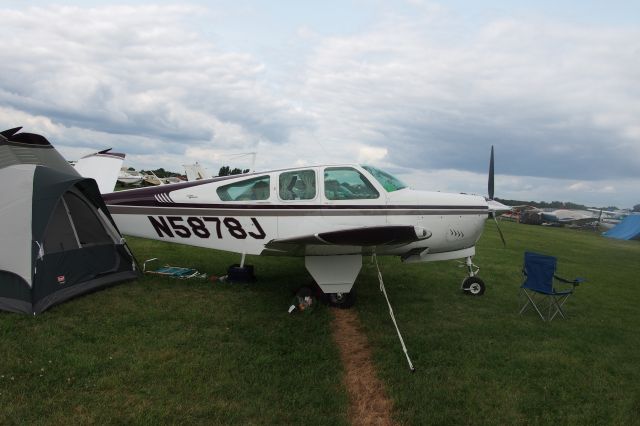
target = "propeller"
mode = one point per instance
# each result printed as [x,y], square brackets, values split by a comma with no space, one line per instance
[491,173]
[490,189]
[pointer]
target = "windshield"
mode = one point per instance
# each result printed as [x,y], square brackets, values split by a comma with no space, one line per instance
[388,182]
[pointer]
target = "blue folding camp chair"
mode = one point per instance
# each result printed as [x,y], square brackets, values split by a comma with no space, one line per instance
[539,273]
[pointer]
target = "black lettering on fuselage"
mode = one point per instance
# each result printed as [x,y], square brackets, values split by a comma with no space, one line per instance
[261,234]
[185,227]
[160,225]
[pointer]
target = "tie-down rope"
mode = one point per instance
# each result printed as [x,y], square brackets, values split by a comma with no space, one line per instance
[393,318]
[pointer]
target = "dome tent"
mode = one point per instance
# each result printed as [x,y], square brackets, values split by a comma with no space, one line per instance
[57,238]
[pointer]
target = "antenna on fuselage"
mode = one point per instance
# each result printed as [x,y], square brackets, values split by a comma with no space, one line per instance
[244,154]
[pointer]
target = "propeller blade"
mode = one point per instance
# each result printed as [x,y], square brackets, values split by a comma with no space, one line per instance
[504,243]
[491,175]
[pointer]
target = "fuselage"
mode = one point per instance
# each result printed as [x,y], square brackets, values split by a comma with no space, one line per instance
[243,213]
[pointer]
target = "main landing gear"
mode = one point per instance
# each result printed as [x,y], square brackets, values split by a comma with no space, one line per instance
[342,300]
[335,276]
[472,285]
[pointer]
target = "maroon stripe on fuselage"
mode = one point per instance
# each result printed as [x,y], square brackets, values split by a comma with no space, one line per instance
[154,203]
[167,209]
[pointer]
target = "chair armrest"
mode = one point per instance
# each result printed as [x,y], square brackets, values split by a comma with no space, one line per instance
[574,282]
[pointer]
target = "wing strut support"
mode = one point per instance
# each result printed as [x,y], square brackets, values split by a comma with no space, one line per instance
[393,318]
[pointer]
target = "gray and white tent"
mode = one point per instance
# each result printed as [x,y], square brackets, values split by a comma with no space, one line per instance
[57,238]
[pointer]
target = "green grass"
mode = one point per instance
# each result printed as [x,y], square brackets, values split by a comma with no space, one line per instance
[191,352]
[162,351]
[480,363]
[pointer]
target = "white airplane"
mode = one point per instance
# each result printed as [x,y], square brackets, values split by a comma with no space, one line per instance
[153,179]
[332,215]
[103,166]
[195,172]
[127,176]
[568,217]
[609,219]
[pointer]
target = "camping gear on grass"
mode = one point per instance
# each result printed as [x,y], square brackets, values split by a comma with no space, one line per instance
[173,271]
[539,271]
[57,238]
[304,301]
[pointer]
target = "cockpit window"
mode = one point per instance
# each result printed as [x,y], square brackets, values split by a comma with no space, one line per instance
[297,185]
[346,183]
[388,182]
[255,189]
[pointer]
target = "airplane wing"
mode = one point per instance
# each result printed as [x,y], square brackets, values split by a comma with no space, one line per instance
[498,207]
[388,235]
[579,221]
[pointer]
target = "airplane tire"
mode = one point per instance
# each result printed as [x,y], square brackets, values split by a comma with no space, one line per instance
[342,300]
[473,286]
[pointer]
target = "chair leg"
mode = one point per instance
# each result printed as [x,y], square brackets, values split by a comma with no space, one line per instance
[527,301]
[559,306]
[531,302]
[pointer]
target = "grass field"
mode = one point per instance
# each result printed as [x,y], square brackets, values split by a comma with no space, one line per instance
[163,351]
[480,363]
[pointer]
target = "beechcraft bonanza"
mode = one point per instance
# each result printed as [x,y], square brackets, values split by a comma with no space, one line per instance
[332,215]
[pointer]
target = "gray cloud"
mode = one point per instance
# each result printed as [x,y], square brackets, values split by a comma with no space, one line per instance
[133,71]
[559,101]
[536,90]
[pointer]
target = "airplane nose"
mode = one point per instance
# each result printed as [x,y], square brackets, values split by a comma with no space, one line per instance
[421,233]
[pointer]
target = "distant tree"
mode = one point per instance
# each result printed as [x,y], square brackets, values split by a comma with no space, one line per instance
[544,204]
[636,208]
[161,173]
[226,171]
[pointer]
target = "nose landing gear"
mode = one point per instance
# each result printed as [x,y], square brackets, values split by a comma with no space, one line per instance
[472,285]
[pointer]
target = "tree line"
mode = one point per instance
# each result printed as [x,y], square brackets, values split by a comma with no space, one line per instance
[559,205]
[224,171]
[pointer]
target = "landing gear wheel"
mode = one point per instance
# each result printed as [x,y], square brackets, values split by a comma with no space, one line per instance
[473,286]
[342,300]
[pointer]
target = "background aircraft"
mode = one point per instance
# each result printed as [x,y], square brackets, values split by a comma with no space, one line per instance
[569,217]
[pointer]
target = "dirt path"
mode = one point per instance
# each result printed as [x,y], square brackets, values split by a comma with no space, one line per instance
[369,404]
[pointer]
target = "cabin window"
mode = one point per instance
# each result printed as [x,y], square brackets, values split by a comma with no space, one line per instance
[346,183]
[388,182]
[255,189]
[297,185]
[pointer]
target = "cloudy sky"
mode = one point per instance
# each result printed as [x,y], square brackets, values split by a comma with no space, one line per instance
[420,88]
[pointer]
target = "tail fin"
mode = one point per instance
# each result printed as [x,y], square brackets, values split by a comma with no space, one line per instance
[195,171]
[103,167]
